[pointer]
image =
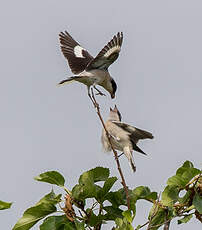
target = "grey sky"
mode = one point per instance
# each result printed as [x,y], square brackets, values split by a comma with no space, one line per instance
[44,127]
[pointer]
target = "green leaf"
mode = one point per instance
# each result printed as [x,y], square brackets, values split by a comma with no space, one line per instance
[79,225]
[138,227]
[183,175]
[152,196]
[117,198]
[123,224]
[94,220]
[188,164]
[4,205]
[87,190]
[143,192]
[54,222]
[185,198]
[197,202]
[107,186]
[128,215]
[32,215]
[176,180]
[50,198]
[68,226]
[87,187]
[96,174]
[112,213]
[170,195]
[185,219]
[158,219]
[190,174]
[51,177]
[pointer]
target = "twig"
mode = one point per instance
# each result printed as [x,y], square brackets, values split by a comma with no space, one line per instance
[114,151]
[167,225]
[194,180]
[143,225]
[154,212]
[158,225]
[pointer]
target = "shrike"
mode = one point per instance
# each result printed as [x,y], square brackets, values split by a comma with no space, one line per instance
[88,70]
[123,137]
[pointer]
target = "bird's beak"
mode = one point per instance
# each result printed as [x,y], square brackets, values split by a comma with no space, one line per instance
[112,96]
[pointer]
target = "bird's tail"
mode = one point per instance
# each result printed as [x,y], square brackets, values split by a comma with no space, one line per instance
[129,155]
[69,80]
[136,148]
[132,164]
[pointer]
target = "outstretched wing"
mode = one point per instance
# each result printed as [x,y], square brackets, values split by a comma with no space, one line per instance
[77,57]
[134,132]
[108,54]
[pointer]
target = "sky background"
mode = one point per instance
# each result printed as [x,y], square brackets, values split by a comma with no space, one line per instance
[44,127]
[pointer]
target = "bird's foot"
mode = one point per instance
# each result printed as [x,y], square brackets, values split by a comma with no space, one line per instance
[99,92]
[120,154]
[92,98]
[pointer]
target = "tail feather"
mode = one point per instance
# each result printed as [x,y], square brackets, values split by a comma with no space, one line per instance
[136,148]
[68,80]
[132,164]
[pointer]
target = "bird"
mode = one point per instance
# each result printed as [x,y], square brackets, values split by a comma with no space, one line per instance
[87,69]
[123,137]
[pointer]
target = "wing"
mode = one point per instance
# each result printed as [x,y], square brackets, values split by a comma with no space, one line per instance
[77,57]
[108,54]
[134,132]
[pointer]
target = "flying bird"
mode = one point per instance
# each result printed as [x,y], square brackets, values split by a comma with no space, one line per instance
[123,137]
[87,69]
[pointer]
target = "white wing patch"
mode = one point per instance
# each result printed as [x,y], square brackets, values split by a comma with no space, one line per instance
[115,138]
[78,51]
[112,50]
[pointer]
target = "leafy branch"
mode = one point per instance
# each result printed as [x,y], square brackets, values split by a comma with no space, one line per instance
[107,205]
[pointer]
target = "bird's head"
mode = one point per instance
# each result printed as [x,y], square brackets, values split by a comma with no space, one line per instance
[114,114]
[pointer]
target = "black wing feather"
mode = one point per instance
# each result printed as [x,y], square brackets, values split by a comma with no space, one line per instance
[77,64]
[134,132]
[108,54]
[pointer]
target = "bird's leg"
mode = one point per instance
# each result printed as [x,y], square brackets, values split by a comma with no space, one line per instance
[120,154]
[91,98]
[99,92]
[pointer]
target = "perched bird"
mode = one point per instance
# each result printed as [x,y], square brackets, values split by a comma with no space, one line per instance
[123,137]
[88,70]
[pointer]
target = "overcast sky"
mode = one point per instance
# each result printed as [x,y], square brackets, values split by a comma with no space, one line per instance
[45,127]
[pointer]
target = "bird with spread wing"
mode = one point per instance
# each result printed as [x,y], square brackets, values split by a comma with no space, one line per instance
[88,70]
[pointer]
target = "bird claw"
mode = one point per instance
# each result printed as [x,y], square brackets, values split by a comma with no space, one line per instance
[100,93]
[120,155]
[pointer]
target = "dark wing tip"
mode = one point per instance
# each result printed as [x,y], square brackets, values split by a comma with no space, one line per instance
[120,38]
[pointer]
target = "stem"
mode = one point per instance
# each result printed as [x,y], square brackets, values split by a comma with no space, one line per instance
[167,225]
[143,225]
[154,212]
[66,190]
[114,151]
